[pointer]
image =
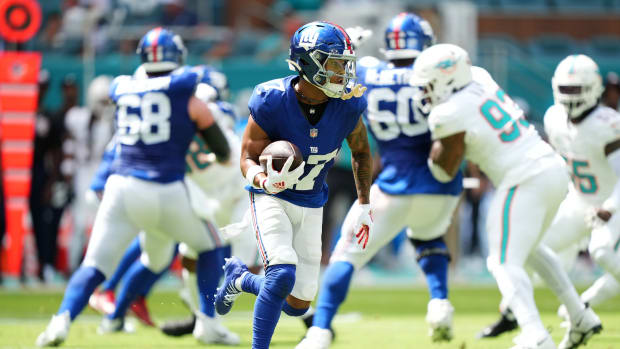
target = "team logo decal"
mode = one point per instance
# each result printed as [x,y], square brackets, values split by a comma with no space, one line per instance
[314,132]
[308,38]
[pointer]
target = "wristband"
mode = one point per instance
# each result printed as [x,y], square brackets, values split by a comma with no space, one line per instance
[251,173]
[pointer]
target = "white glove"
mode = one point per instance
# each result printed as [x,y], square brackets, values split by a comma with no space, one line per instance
[358,35]
[277,181]
[363,225]
[357,91]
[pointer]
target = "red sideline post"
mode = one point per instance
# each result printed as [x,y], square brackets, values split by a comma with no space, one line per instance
[18,105]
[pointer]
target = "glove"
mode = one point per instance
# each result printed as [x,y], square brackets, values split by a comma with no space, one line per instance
[277,181]
[358,35]
[357,91]
[363,225]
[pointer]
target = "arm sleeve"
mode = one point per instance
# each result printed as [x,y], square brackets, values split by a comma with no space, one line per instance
[445,121]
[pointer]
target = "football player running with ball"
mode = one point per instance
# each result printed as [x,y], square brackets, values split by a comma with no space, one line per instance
[472,117]
[405,193]
[156,119]
[316,110]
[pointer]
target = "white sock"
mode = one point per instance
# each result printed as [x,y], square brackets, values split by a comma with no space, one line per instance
[190,283]
[517,290]
[603,289]
[239,280]
[548,267]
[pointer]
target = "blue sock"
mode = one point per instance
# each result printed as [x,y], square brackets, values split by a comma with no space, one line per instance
[334,290]
[131,254]
[80,287]
[279,282]
[208,274]
[137,276]
[252,283]
[433,260]
[290,311]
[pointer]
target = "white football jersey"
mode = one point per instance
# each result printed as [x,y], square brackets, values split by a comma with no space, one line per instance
[497,137]
[583,147]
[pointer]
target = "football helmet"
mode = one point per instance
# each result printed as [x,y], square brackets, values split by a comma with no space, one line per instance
[406,36]
[321,52]
[440,71]
[161,50]
[97,97]
[577,84]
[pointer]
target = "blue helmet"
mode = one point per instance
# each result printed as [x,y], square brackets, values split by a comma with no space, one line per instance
[161,50]
[406,36]
[314,45]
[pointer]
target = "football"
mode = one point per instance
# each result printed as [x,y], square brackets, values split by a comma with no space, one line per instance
[279,152]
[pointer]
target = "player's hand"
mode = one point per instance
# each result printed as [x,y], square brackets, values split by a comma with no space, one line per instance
[597,217]
[277,181]
[359,35]
[363,225]
[357,91]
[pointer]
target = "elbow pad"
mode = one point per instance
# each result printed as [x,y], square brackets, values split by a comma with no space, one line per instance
[217,142]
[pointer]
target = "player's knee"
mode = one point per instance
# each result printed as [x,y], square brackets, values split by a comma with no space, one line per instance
[601,254]
[280,279]
[427,248]
[295,307]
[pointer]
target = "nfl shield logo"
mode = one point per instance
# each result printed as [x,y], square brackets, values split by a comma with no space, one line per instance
[314,132]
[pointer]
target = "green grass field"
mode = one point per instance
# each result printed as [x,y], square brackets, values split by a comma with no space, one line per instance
[370,318]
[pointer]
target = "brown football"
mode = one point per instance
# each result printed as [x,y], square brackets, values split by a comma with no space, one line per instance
[280,151]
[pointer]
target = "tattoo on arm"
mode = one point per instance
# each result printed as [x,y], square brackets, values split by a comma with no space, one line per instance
[361,161]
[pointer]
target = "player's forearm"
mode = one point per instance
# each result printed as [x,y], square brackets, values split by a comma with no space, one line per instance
[362,173]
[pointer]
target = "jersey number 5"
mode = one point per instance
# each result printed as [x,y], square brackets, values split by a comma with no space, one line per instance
[504,116]
[151,124]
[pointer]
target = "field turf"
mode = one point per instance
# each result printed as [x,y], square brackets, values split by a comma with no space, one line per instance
[370,318]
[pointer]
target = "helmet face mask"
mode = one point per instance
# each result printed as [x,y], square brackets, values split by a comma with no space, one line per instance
[577,85]
[322,54]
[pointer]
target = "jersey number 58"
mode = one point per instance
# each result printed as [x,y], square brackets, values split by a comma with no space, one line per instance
[150,123]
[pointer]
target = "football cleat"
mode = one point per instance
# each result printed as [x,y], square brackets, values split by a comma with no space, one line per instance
[308,323]
[209,330]
[316,338]
[56,331]
[579,333]
[108,325]
[139,309]
[527,341]
[439,319]
[506,323]
[179,328]
[103,302]
[227,293]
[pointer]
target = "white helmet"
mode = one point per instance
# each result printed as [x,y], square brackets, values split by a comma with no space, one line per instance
[577,84]
[440,70]
[97,97]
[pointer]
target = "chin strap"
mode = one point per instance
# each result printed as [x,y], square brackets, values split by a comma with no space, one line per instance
[357,91]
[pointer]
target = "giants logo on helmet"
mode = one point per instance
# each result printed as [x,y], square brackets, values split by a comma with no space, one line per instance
[308,38]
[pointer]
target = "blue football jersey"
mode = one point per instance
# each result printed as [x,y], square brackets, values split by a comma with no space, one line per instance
[105,167]
[401,131]
[275,109]
[153,125]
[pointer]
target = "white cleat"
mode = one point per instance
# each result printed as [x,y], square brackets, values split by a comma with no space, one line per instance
[578,333]
[316,338]
[56,331]
[210,330]
[527,341]
[439,319]
[108,325]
